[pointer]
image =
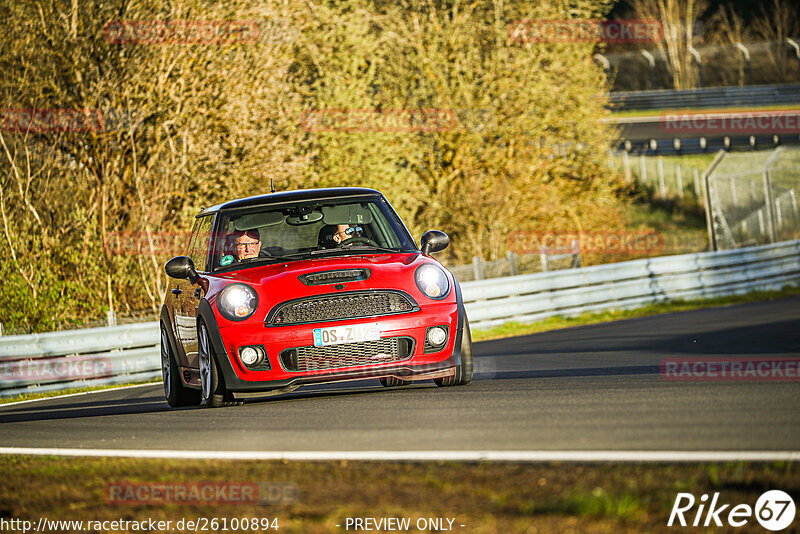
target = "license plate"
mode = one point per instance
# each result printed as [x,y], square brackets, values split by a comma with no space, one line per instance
[346,334]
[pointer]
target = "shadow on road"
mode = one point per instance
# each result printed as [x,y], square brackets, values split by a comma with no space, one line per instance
[83,409]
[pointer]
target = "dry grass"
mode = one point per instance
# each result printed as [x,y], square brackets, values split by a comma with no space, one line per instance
[485,497]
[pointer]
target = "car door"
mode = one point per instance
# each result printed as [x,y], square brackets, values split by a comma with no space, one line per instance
[189,295]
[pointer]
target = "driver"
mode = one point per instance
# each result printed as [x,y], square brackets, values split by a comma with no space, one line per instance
[345,232]
[245,245]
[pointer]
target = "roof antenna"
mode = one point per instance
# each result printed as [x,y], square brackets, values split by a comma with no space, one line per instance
[272,185]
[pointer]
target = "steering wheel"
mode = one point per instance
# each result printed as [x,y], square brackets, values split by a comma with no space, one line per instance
[358,240]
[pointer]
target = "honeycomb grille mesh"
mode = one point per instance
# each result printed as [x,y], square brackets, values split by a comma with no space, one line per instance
[344,306]
[387,350]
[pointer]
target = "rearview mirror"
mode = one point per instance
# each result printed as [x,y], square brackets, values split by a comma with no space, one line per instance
[181,267]
[434,241]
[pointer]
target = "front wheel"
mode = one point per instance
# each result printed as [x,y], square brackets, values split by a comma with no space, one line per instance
[212,385]
[463,374]
[175,392]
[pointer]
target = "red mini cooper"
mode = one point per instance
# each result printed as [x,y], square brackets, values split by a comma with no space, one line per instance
[302,287]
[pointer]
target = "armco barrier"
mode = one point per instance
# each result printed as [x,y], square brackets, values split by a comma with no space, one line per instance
[630,284]
[713,97]
[123,354]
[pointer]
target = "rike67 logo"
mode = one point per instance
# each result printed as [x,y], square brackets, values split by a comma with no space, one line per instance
[774,510]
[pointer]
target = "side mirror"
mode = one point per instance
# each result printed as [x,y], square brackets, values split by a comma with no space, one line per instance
[434,241]
[181,267]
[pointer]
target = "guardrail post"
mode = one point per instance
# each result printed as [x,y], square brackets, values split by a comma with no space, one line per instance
[696,178]
[577,261]
[679,180]
[512,263]
[544,259]
[794,204]
[642,169]
[477,267]
[111,318]
[661,186]
[769,201]
[626,162]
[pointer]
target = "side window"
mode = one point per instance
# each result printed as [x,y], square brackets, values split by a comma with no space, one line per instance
[188,250]
[199,247]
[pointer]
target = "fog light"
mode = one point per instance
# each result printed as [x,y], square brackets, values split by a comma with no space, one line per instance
[249,355]
[436,336]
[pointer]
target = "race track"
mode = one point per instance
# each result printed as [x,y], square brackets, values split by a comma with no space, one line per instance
[586,388]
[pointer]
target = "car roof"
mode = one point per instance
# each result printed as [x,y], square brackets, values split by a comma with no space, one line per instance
[290,196]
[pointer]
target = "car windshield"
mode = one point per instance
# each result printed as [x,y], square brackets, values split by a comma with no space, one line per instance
[308,229]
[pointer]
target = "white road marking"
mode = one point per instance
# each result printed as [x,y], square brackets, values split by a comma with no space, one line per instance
[458,456]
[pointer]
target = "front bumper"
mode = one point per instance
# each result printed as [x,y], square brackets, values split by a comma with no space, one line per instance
[240,379]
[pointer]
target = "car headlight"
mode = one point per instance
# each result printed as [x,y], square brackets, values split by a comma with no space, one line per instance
[432,280]
[237,302]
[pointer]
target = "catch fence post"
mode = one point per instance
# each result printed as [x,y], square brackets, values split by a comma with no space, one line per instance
[477,268]
[544,259]
[512,262]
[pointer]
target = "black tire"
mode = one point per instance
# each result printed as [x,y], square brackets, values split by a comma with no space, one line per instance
[175,392]
[212,383]
[392,381]
[463,374]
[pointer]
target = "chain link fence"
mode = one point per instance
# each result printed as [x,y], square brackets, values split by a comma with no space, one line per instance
[753,198]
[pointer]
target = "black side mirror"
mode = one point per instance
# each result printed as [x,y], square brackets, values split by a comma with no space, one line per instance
[434,241]
[181,267]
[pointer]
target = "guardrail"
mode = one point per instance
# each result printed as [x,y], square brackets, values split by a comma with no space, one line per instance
[631,284]
[713,97]
[124,354]
[76,358]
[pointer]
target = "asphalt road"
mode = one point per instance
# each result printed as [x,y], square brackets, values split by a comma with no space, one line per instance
[586,388]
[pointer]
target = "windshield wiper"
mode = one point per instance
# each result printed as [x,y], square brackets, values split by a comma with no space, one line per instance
[372,247]
[354,248]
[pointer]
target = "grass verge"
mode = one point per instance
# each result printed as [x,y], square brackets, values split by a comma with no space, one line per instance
[484,497]
[512,329]
[48,394]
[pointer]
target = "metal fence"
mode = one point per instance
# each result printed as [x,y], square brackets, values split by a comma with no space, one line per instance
[514,264]
[124,354]
[753,198]
[664,178]
[632,284]
[75,358]
[739,64]
[713,97]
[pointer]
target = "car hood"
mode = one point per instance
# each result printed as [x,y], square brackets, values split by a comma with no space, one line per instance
[279,282]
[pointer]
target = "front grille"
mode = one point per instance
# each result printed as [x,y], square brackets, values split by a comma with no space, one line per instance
[332,307]
[390,349]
